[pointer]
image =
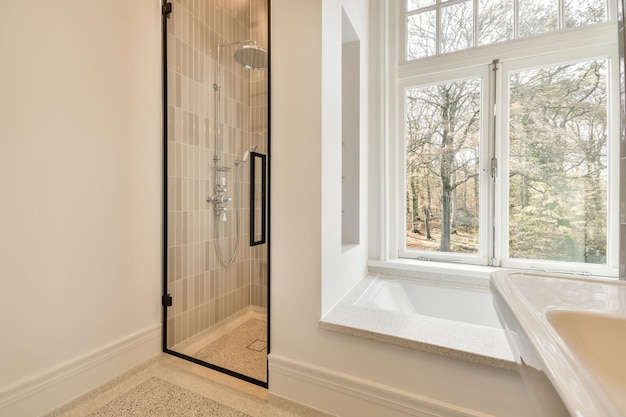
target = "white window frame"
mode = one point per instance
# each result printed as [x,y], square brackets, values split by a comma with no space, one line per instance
[474,72]
[502,233]
[572,44]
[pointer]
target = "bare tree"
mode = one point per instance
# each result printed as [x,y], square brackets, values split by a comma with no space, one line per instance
[443,139]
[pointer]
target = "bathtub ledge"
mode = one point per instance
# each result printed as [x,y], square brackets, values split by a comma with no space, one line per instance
[468,342]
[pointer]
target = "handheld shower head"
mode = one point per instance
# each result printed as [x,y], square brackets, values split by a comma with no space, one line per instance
[247,154]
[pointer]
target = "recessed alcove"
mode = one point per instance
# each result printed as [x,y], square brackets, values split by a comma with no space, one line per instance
[351,137]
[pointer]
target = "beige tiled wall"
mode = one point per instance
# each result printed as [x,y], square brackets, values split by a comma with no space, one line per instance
[203,291]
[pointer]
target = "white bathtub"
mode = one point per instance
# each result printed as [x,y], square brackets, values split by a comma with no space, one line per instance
[454,317]
[433,299]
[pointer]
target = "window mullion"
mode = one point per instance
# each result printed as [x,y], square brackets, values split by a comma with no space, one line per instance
[492,163]
[438,30]
[475,34]
[515,19]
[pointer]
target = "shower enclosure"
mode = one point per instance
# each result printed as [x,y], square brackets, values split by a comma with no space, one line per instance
[216,141]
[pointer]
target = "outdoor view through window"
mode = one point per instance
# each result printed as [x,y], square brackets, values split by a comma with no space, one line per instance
[544,146]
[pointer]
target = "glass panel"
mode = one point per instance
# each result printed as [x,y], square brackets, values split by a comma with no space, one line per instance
[418,4]
[442,165]
[538,16]
[421,35]
[558,163]
[218,284]
[585,12]
[457,27]
[495,21]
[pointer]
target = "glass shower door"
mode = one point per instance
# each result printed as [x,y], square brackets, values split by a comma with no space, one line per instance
[216,124]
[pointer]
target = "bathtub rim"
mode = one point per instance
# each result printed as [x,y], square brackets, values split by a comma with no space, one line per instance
[365,299]
[454,339]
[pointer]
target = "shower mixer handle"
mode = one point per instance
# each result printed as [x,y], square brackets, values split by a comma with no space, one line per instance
[219,199]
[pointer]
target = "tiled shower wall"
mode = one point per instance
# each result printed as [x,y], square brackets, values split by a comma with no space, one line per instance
[259,100]
[204,292]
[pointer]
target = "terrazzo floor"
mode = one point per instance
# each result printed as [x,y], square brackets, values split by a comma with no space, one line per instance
[172,387]
[238,344]
[243,350]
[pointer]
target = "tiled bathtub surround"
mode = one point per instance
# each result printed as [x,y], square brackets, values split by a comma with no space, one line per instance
[204,292]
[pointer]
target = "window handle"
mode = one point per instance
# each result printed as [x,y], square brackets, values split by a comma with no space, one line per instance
[494,168]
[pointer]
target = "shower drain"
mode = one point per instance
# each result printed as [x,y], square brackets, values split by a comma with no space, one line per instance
[258,345]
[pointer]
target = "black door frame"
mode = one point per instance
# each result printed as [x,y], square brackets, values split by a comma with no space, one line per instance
[166,300]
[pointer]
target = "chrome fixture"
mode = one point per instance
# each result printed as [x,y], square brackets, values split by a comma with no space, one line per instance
[249,56]
[219,200]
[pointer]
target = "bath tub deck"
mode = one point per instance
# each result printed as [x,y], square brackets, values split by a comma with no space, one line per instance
[453,318]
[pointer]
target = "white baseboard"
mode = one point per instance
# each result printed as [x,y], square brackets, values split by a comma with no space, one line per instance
[60,385]
[347,396]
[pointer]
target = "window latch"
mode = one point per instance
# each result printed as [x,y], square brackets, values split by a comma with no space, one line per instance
[494,168]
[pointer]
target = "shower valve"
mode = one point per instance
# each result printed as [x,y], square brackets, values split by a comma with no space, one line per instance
[219,200]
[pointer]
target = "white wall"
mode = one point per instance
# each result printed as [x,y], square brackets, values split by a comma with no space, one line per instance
[80,177]
[80,244]
[341,267]
[336,372]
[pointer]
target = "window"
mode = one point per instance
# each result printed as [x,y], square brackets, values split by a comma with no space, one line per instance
[440,26]
[506,136]
[558,187]
[442,165]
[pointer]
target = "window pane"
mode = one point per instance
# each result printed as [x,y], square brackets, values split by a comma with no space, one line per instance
[421,35]
[538,16]
[558,163]
[417,4]
[457,27]
[442,165]
[585,12]
[495,21]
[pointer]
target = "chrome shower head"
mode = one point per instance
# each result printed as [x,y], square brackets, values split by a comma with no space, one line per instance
[251,57]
